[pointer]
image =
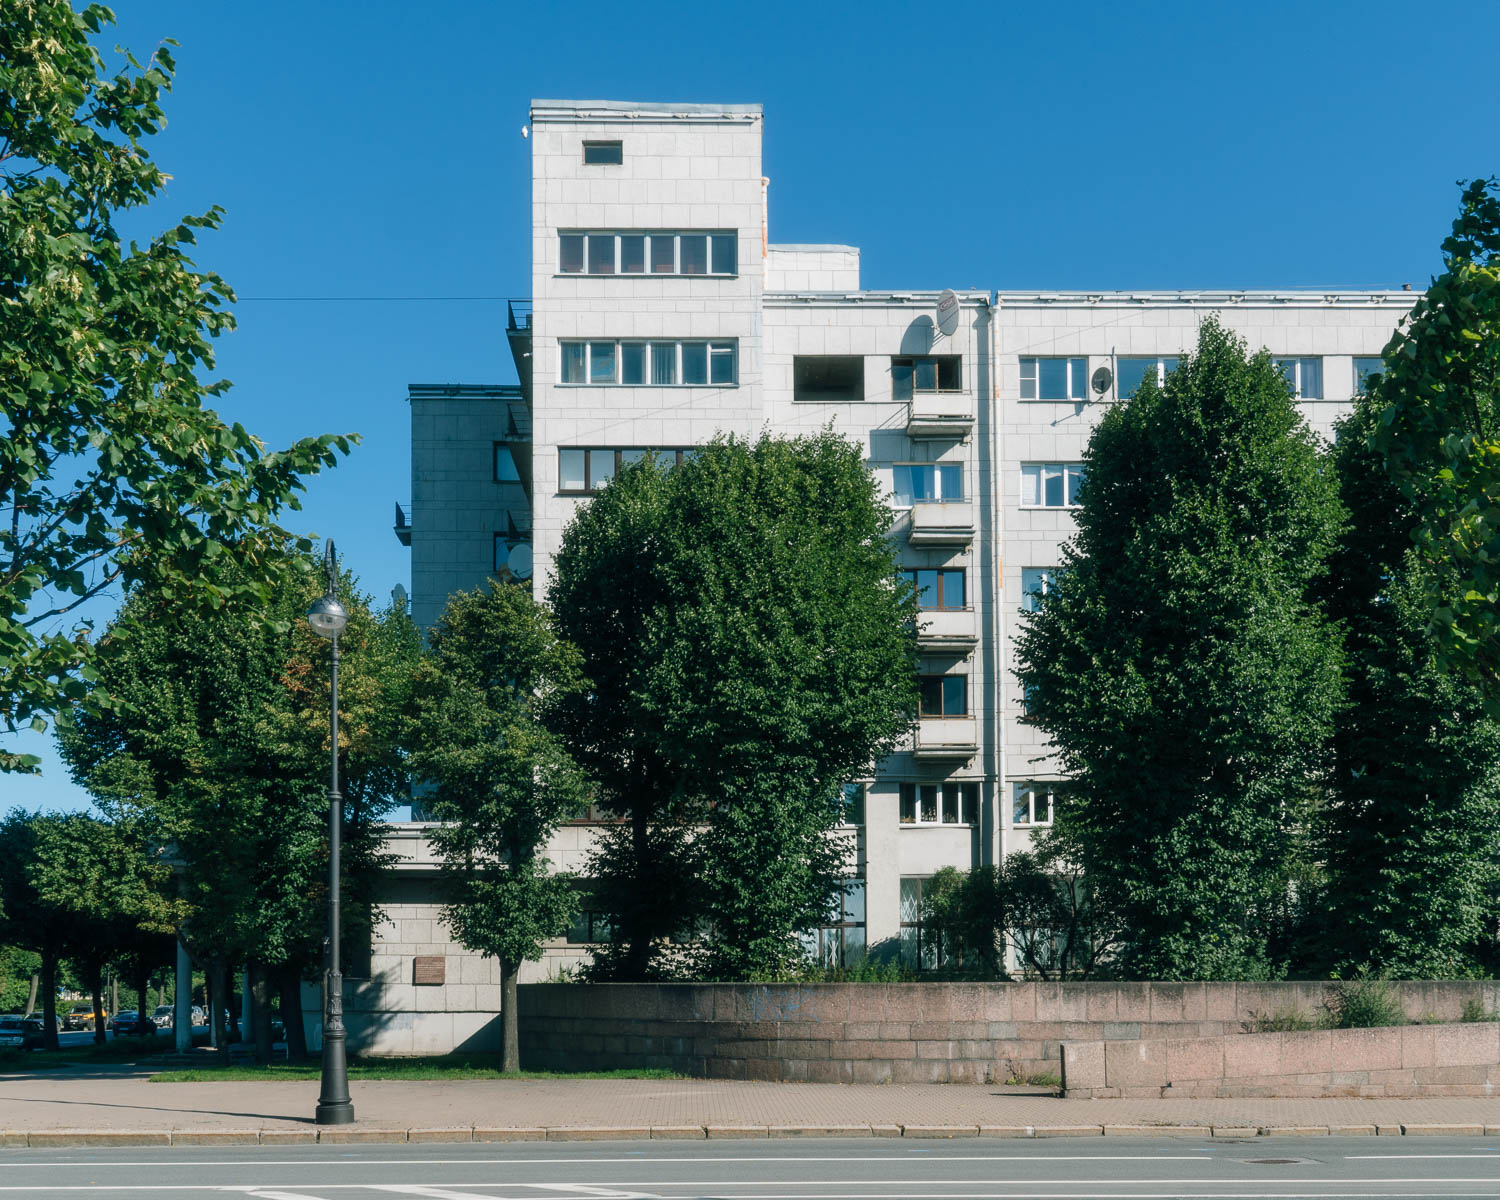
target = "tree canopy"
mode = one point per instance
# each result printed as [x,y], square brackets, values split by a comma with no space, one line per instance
[112,468]
[751,650]
[1439,432]
[1181,668]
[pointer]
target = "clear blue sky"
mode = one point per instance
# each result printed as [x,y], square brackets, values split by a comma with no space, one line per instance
[370,160]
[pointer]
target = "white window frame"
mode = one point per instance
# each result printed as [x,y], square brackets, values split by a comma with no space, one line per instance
[1068,471]
[1031,789]
[623,456]
[1295,361]
[719,350]
[1162,370]
[938,495]
[918,785]
[651,235]
[1046,576]
[1077,373]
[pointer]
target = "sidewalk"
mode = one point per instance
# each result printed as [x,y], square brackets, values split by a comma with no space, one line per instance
[54,1109]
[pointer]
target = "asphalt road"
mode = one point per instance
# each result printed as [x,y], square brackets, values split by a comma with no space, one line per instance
[1061,1169]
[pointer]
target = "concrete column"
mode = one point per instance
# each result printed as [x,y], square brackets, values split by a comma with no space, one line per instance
[245,1034]
[182,1017]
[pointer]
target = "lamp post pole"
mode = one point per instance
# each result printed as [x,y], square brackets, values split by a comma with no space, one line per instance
[328,618]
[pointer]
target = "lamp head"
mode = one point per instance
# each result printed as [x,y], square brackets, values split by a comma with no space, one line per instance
[327,617]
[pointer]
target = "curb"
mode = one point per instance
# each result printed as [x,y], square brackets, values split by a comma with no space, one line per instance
[55,1139]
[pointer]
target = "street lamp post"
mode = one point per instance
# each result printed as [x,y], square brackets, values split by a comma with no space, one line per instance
[328,618]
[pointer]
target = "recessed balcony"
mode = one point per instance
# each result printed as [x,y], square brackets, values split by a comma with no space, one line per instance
[943,415]
[940,629]
[945,523]
[946,737]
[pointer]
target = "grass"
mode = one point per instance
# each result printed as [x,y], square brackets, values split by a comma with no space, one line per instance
[1033,1079]
[445,1066]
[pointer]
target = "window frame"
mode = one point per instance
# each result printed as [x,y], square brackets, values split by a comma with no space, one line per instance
[1050,577]
[716,352]
[615,159]
[1295,380]
[903,393]
[1359,376]
[911,575]
[619,462]
[1070,472]
[854,798]
[1031,789]
[857,391]
[926,680]
[654,241]
[830,942]
[510,454]
[939,494]
[924,957]
[912,800]
[1162,370]
[1076,364]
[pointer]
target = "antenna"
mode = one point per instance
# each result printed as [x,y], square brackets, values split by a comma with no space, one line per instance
[518,561]
[947,313]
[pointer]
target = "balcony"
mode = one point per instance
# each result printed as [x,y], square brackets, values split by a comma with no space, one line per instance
[946,523]
[518,334]
[946,737]
[942,415]
[947,629]
[402,526]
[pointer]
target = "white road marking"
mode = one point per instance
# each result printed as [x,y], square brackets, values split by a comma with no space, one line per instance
[591,1191]
[1489,1154]
[430,1193]
[261,1194]
[91,1164]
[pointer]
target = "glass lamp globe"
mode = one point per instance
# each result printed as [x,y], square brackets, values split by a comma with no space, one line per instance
[327,617]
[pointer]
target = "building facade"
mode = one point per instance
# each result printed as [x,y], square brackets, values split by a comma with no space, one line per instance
[660,315]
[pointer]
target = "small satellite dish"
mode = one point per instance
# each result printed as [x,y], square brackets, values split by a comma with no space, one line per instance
[398,598]
[1100,380]
[947,313]
[518,561]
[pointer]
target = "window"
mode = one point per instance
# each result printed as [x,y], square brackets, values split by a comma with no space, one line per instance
[920,483]
[940,374]
[603,154]
[919,948]
[1031,804]
[590,925]
[1131,372]
[1036,582]
[586,471]
[650,251]
[939,804]
[1303,375]
[942,588]
[1050,485]
[1054,379]
[665,364]
[1363,369]
[828,379]
[841,941]
[853,797]
[942,695]
[505,464]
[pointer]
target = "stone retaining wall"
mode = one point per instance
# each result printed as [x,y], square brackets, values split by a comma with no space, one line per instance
[900,1032]
[1396,1061]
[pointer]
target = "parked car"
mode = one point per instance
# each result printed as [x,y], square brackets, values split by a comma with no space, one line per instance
[81,1016]
[129,1023]
[15,1036]
[37,1022]
[163,1016]
[200,1015]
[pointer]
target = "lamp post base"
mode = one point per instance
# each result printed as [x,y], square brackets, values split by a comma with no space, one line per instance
[339,1112]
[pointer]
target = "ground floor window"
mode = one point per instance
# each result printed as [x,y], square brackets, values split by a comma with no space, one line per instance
[841,942]
[919,947]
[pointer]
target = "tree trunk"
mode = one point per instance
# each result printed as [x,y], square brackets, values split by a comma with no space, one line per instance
[96,994]
[218,988]
[142,990]
[638,957]
[260,1012]
[49,999]
[36,981]
[290,981]
[114,991]
[510,1040]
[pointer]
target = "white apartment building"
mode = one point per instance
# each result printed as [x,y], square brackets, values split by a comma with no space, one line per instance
[660,314]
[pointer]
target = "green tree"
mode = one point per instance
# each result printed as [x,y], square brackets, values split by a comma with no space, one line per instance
[111,467]
[20,978]
[1409,833]
[751,651]
[215,730]
[1187,681]
[1439,432]
[502,783]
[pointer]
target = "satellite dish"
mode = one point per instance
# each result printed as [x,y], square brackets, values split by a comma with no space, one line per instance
[518,561]
[1100,380]
[947,313]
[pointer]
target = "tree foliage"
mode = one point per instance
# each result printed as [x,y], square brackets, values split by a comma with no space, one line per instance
[1409,837]
[1439,432]
[751,651]
[1186,679]
[502,783]
[112,469]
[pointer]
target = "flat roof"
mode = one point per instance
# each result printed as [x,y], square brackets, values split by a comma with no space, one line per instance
[1345,297]
[626,108]
[866,297]
[814,247]
[463,391]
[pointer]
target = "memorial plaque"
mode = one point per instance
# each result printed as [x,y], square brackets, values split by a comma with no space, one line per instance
[428,969]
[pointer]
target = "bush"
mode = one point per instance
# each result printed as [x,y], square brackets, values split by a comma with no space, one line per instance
[1283,1020]
[1364,1002]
